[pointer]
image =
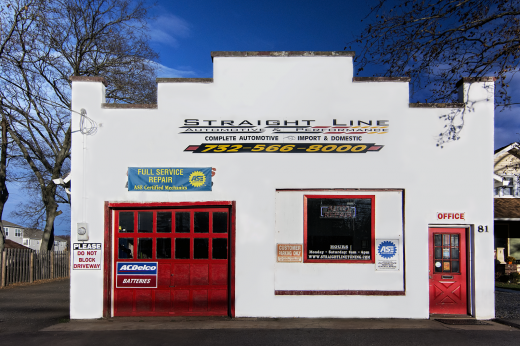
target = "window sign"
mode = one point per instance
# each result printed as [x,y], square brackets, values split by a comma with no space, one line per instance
[339,228]
[289,253]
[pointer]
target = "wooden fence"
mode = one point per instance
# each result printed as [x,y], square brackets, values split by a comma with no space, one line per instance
[22,265]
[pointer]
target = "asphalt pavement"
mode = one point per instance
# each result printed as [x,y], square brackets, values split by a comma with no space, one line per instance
[38,315]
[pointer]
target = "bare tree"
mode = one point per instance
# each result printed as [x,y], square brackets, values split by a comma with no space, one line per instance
[437,42]
[70,38]
[12,16]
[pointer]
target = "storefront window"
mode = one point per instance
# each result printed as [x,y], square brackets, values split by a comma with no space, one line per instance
[339,228]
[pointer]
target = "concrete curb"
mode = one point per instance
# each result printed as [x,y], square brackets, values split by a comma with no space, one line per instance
[507,323]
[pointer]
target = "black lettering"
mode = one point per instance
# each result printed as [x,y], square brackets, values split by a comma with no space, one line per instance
[191,121]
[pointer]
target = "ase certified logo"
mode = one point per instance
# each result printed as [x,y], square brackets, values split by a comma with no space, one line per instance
[387,249]
[197,179]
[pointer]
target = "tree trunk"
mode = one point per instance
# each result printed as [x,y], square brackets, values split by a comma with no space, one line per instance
[4,193]
[51,212]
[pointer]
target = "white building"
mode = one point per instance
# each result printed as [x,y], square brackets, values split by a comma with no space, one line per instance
[507,202]
[32,239]
[334,196]
[13,231]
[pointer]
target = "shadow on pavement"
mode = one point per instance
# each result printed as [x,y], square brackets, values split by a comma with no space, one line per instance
[33,307]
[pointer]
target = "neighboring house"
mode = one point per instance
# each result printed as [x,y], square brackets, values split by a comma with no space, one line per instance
[32,238]
[507,202]
[13,231]
[9,244]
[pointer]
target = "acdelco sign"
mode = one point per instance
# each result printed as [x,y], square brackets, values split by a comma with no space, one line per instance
[451,216]
[136,275]
[140,268]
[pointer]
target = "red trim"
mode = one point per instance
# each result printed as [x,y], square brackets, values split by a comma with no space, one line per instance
[358,190]
[232,246]
[372,240]
[116,205]
[339,293]
[107,280]
[110,206]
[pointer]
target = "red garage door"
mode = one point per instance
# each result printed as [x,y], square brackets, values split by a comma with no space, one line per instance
[189,247]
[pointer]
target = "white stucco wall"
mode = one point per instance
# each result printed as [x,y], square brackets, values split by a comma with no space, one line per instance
[455,178]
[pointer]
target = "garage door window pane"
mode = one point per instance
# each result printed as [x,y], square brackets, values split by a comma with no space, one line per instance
[182,248]
[144,248]
[164,222]
[219,250]
[201,222]
[200,248]
[220,222]
[145,221]
[126,221]
[164,248]
[182,222]
[126,248]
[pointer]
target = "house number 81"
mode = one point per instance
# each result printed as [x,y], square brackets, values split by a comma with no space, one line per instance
[482,229]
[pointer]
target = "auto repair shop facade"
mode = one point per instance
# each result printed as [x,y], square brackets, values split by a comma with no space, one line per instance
[282,187]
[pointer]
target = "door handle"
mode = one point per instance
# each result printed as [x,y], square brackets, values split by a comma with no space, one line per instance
[430,276]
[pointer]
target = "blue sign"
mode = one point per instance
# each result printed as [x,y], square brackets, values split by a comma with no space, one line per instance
[137,268]
[387,249]
[169,179]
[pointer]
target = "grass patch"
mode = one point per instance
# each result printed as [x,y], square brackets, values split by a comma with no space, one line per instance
[515,287]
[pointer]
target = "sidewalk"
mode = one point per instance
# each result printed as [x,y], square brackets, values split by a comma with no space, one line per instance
[45,307]
[219,323]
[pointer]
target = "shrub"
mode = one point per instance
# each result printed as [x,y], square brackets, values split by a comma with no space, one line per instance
[514,277]
[504,278]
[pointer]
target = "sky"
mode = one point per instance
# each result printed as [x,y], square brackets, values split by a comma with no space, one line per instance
[184,33]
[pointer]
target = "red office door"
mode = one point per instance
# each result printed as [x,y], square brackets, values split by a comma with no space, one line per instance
[191,249]
[447,271]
